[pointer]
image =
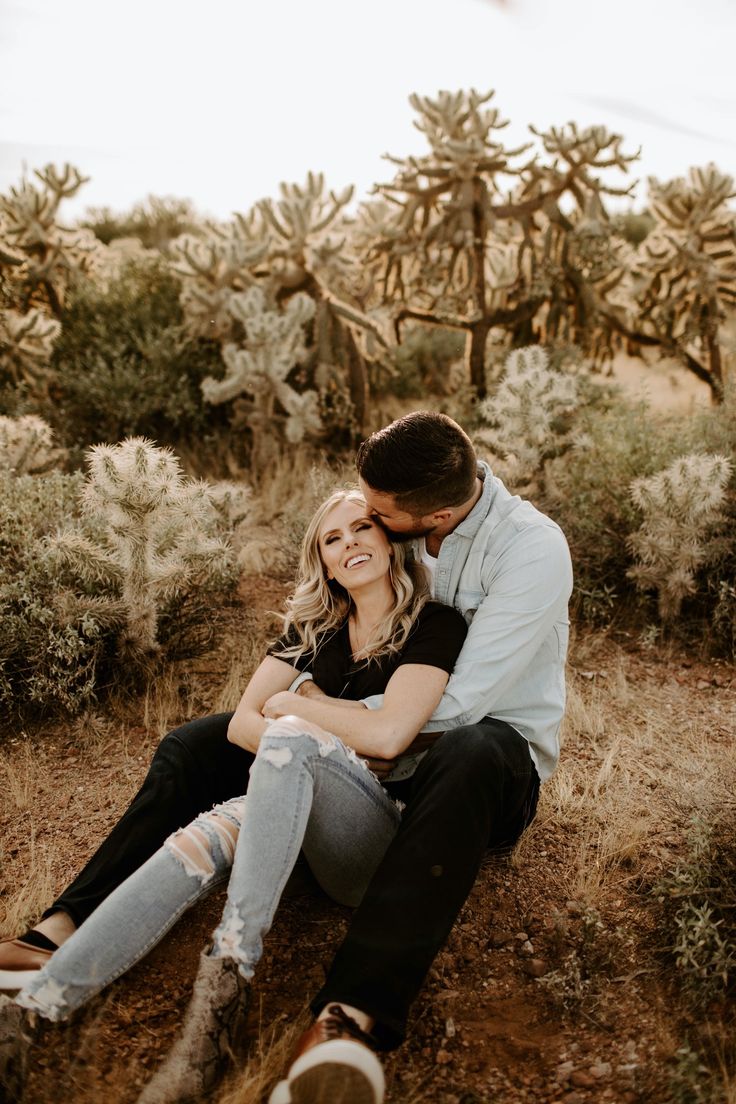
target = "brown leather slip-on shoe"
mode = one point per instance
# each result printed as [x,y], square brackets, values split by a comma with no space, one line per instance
[19,963]
[333,1063]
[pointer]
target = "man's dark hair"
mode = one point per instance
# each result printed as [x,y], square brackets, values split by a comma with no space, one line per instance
[425,460]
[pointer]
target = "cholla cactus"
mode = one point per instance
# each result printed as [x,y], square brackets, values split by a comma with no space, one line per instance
[681,507]
[37,260]
[212,267]
[274,343]
[26,445]
[26,344]
[528,417]
[450,245]
[50,251]
[685,275]
[297,244]
[155,532]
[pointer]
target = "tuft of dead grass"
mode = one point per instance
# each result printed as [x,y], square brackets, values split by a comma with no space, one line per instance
[33,892]
[266,1064]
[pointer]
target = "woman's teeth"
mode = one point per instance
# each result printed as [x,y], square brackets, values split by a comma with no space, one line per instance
[355,560]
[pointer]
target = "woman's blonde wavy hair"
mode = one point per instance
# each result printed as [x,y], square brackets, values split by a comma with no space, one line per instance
[319,605]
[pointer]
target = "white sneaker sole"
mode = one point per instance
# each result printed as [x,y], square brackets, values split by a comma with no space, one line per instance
[336,1072]
[16,979]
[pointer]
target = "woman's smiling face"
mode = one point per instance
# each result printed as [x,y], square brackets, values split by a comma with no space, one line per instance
[354,548]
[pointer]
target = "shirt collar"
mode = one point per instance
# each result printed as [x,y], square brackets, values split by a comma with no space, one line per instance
[470,525]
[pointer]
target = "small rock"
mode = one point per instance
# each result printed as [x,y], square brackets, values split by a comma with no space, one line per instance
[501,938]
[443,1057]
[582,1079]
[522,937]
[563,1071]
[527,948]
[450,1027]
[701,684]
[536,967]
[572,1098]
[601,1070]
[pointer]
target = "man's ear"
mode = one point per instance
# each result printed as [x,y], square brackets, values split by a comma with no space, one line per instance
[441,517]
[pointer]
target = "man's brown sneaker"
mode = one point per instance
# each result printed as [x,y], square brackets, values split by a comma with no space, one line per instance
[333,1063]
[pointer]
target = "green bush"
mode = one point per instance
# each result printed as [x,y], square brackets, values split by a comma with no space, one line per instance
[421,363]
[155,222]
[53,640]
[588,494]
[124,365]
[697,901]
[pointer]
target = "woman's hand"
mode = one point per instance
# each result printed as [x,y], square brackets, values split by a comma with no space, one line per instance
[278,705]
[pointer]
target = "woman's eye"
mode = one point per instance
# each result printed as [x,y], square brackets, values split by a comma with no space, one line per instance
[364,525]
[330,540]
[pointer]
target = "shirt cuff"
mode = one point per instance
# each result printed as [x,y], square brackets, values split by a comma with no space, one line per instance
[303,676]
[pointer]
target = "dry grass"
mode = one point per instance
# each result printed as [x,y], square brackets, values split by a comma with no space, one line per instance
[19,773]
[33,892]
[265,1065]
[242,664]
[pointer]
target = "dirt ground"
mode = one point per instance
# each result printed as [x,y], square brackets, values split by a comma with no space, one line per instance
[554,985]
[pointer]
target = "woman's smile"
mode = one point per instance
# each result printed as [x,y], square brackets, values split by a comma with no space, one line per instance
[356,561]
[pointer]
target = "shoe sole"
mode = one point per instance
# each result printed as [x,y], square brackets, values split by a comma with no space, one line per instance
[16,979]
[332,1083]
[336,1072]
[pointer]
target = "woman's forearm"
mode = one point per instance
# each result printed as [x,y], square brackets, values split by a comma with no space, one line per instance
[370,732]
[246,728]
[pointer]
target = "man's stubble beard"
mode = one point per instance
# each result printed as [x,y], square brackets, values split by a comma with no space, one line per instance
[408,534]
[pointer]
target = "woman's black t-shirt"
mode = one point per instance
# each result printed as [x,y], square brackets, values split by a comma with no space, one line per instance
[435,639]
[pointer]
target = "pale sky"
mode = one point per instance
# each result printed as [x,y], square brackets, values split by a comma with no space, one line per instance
[218,101]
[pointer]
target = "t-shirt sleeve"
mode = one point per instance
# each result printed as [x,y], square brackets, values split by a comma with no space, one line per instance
[436,638]
[289,639]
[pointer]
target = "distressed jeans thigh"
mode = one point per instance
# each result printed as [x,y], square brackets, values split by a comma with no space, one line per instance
[351,824]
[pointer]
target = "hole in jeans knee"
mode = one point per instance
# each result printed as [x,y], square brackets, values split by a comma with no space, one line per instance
[192,848]
[278,757]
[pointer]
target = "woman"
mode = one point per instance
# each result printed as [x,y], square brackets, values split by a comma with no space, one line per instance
[360,623]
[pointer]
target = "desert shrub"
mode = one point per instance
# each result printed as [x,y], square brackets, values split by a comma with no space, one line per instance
[698,903]
[682,508]
[124,364]
[634,226]
[54,639]
[156,221]
[422,362]
[588,494]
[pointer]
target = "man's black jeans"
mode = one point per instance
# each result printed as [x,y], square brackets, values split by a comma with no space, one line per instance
[475,789]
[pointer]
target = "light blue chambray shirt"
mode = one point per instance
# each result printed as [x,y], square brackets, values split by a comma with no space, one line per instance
[507,569]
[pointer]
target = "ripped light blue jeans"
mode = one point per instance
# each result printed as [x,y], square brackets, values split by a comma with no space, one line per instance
[306,790]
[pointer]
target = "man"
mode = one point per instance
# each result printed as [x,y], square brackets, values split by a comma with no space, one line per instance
[506,567]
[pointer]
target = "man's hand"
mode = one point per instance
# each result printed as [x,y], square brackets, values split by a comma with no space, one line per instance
[309,689]
[281,704]
[380,767]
